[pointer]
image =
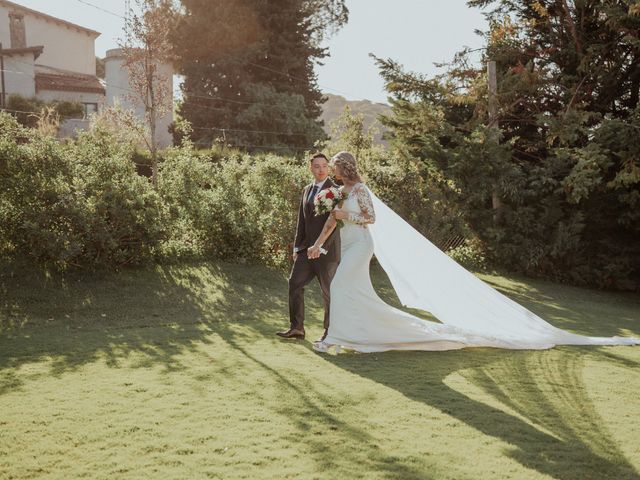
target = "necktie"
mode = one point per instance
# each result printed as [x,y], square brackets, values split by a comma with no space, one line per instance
[314,190]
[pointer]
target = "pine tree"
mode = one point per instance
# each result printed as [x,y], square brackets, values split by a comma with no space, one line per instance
[248,67]
[569,79]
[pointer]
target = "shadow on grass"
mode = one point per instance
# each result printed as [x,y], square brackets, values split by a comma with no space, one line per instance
[550,424]
[351,446]
[162,313]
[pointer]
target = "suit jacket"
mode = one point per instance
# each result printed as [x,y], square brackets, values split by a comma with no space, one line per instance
[310,226]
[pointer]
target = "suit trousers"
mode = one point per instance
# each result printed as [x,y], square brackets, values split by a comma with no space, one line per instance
[303,271]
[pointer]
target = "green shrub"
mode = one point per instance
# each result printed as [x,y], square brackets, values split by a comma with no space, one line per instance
[124,215]
[271,191]
[22,106]
[470,256]
[74,205]
[238,207]
[39,210]
[205,205]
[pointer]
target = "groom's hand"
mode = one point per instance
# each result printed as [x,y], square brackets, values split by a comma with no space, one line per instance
[313,252]
[339,214]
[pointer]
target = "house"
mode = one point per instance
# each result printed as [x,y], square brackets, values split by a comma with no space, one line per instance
[52,59]
[48,58]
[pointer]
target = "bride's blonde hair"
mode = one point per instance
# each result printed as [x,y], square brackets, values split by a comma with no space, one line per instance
[348,166]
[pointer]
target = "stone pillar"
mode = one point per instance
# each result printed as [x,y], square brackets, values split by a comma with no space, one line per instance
[17,30]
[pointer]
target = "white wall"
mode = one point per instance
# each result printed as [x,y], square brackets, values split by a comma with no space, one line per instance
[119,92]
[64,47]
[22,83]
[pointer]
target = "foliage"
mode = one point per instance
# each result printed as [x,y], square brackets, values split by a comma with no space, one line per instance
[271,192]
[205,206]
[124,218]
[471,256]
[247,63]
[29,110]
[271,112]
[567,182]
[400,180]
[39,214]
[240,208]
[75,204]
[147,49]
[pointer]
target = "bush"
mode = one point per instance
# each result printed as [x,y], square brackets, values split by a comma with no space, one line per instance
[124,215]
[40,215]
[238,207]
[76,204]
[21,105]
[410,192]
[205,205]
[271,191]
[470,256]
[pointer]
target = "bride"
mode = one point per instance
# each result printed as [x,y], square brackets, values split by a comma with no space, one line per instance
[472,313]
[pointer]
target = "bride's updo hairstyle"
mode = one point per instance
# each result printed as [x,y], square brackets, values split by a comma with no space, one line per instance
[348,166]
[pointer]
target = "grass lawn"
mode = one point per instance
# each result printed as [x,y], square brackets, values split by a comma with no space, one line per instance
[174,372]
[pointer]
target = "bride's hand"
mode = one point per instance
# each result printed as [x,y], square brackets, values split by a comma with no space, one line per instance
[339,214]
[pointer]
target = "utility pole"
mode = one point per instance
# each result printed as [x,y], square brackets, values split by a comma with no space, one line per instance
[493,123]
[3,94]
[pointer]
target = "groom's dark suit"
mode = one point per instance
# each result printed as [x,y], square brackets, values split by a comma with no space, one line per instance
[304,270]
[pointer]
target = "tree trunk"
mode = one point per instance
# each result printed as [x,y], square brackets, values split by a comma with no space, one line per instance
[154,151]
[493,123]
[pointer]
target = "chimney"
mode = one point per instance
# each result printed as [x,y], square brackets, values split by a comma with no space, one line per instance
[18,33]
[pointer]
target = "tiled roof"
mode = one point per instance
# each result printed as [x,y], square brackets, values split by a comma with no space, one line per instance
[69,83]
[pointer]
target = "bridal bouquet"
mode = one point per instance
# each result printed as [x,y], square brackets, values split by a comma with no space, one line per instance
[327,200]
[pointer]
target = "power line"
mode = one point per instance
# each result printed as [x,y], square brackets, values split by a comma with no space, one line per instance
[102,9]
[245,145]
[184,101]
[63,117]
[251,131]
[250,63]
[297,78]
[204,97]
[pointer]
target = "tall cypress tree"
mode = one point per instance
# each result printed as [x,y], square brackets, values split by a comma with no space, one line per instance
[248,67]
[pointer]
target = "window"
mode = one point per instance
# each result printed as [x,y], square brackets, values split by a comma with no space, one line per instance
[90,108]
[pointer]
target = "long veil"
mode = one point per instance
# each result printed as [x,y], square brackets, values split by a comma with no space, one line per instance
[426,278]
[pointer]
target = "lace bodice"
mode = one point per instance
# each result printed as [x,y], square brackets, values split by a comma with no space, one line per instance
[359,205]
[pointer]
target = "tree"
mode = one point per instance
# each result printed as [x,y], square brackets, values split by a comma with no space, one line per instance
[100,69]
[568,75]
[245,62]
[348,132]
[146,48]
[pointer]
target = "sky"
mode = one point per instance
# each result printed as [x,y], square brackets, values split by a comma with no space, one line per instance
[415,33]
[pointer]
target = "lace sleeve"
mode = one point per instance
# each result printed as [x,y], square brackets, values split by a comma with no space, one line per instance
[366,206]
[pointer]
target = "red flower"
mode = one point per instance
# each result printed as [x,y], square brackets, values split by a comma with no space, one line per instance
[329,194]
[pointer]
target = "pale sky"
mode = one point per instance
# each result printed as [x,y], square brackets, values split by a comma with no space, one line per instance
[415,33]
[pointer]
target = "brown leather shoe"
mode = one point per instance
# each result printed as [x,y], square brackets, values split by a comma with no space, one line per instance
[292,333]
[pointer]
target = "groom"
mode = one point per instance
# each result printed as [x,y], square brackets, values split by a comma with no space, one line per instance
[304,270]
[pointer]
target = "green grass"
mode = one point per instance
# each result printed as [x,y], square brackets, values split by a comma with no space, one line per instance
[175,372]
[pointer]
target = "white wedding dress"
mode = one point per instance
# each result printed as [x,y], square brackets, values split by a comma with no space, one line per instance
[472,313]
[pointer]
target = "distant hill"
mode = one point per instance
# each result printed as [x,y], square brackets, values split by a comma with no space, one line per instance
[335,104]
